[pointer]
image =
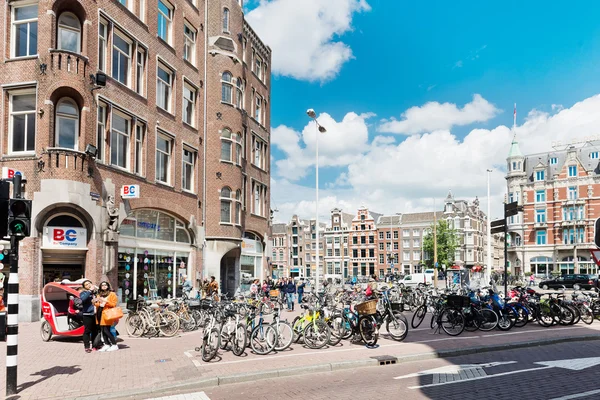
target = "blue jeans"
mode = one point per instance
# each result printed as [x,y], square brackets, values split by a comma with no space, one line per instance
[290,301]
[300,297]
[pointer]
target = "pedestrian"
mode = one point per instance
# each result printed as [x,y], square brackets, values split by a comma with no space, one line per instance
[282,292]
[88,315]
[531,280]
[186,286]
[213,288]
[290,289]
[300,290]
[265,288]
[254,288]
[74,310]
[353,280]
[2,307]
[205,288]
[371,286]
[105,300]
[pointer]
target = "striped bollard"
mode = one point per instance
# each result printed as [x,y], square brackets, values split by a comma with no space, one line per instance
[13,319]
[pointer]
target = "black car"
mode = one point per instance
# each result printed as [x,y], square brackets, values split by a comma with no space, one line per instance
[570,281]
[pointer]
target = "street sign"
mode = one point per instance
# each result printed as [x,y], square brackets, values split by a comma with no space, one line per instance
[498,222]
[497,229]
[511,209]
[130,192]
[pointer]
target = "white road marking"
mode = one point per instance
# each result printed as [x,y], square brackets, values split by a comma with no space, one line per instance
[454,369]
[575,364]
[578,395]
[186,396]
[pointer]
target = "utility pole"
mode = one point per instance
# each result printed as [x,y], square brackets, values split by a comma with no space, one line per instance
[435,254]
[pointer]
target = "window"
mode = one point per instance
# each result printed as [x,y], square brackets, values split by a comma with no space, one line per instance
[140,71]
[416,255]
[388,235]
[572,193]
[371,239]
[24,31]
[329,253]
[363,253]
[258,109]
[163,159]
[164,87]
[395,245]
[354,239]
[371,253]
[540,196]
[553,161]
[69,32]
[22,122]
[258,67]
[259,195]
[101,132]
[260,152]
[102,43]
[406,256]
[395,234]
[355,253]
[119,140]
[226,88]
[380,235]
[239,94]
[189,43]
[165,20]
[381,261]
[416,243]
[67,124]
[139,147]
[406,243]
[363,240]
[189,159]
[572,171]
[231,147]
[406,233]
[540,237]
[336,240]
[189,104]
[226,20]
[225,197]
[540,216]
[121,59]
[539,175]
[380,246]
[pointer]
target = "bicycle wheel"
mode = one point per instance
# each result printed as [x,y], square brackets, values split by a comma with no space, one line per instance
[452,321]
[506,319]
[134,325]
[297,328]
[210,345]
[545,316]
[488,320]
[268,307]
[523,316]
[397,326]
[337,327]
[369,331]
[263,339]
[472,320]
[285,335]
[316,334]
[575,312]
[238,341]
[169,324]
[188,323]
[587,315]
[418,316]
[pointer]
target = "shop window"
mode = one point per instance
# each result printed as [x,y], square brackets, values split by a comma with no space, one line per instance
[69,32]
[24,33]
[153,224]
[67,124]
[21,124]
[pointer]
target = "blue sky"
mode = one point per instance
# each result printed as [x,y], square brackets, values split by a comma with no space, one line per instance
[541,55]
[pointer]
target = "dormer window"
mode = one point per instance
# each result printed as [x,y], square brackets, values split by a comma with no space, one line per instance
[554,160]
[540,175]
[572,171]
[594,155]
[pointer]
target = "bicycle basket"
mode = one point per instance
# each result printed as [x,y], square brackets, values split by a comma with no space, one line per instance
[458,301]
[367,308]
[134,305]
[397,306]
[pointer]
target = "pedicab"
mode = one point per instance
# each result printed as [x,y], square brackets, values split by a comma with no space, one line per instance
[55,308]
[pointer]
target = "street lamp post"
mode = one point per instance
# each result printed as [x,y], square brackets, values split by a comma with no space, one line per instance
[489,230]
[320,129]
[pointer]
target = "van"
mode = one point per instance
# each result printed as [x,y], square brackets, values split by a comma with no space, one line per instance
[416,279]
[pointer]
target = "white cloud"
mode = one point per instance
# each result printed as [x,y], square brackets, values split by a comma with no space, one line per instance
[405,177]
[337,147]
[437,116]
[303,35]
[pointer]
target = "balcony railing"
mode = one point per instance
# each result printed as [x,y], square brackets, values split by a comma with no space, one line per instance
[62,60]
[54,158]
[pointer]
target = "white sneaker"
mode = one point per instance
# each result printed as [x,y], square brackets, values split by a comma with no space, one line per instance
[105,348]
[114,347]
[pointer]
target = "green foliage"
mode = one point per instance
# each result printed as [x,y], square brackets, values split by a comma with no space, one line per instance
[447,242]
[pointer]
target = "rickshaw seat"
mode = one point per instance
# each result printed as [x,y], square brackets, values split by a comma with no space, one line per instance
[61,307]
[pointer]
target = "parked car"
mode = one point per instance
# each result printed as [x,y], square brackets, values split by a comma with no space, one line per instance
[570,281]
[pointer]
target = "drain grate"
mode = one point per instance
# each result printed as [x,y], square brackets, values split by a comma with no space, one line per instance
[386,360]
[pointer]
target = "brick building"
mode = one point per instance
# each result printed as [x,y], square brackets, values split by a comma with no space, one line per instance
[184,115]
[337,254]
[362,244]
[560,193]
[280,250]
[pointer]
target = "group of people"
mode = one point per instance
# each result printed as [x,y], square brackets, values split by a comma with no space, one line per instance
[91,310]
[288,289]
[208,289]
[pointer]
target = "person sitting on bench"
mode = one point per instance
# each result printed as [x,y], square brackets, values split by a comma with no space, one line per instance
[74,312]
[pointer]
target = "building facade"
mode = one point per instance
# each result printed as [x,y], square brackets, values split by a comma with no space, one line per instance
[362,245]
[117,114]
[280,250]
[337,250]
[560,193]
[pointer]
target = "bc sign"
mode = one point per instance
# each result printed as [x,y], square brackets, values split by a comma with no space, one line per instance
[58,237]
[9,173]
[130,192]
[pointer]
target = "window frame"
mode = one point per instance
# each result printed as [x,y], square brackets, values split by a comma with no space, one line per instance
[226,20]
[125,135]
[192,164]
[572,193]
[227,87]
[65,116]
[70,29]
[21,92]
[572,171]
[261,152]
[140,70]
[101,119]
[194,92]
[168,21]
[189,42]
[235,154]
[103,45]
[129,41]
[540,196]
[258,106]
[540,175]
[138,167]
[540,237]
[160,135]
[13,30]
[170,86]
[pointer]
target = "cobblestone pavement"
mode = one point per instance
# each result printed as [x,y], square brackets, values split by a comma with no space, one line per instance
[60,369]
[538,373]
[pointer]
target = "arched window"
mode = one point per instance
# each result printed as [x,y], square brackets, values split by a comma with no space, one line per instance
[238,207]
[153,224]
[69,32]
[239,94]
[225,205]
[225,20]
[231,146]
[67,124]
[226,88]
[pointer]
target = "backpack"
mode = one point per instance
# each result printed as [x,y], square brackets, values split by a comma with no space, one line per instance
[78,303]
[369,291]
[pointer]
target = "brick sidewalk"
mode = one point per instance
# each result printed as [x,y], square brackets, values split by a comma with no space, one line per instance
[60,369]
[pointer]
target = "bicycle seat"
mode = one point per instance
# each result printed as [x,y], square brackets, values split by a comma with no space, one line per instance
[154,305]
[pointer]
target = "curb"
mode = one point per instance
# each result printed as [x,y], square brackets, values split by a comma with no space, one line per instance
[198,384]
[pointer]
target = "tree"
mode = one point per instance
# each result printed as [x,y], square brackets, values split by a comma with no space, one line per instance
[447,242]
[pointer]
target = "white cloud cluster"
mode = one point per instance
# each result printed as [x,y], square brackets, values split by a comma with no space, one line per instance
[303,35]
[405,177]
[434,116]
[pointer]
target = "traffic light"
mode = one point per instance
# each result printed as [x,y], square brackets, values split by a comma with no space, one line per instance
[4,197]
[19,218]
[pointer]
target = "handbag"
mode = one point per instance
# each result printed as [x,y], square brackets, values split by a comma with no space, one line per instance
[369,291]
[98,341]
[113,314]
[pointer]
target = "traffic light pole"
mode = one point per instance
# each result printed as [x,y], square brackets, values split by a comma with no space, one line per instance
[505,256]
[13,319]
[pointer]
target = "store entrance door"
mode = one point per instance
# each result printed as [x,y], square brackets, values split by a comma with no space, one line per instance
[59,272]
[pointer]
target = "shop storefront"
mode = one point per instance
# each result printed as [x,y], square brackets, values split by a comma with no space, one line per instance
[154,255]
[252,257]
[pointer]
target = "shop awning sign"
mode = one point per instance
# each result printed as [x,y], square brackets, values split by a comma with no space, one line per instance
[130,191]
[59,237]
[9,173]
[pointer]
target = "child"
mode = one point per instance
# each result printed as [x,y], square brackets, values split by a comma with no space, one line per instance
[74,311]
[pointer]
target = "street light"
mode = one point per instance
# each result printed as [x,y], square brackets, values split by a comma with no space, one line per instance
[489,230]
[311,114]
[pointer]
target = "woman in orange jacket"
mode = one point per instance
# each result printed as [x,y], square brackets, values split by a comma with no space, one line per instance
[106,299]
